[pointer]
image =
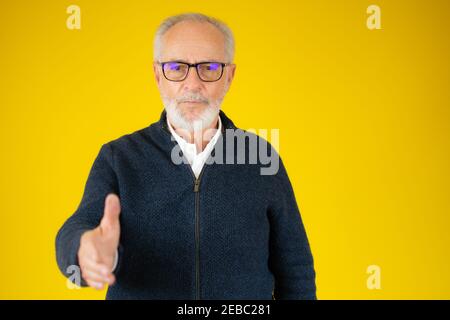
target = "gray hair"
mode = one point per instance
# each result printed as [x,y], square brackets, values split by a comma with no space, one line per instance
[198,17]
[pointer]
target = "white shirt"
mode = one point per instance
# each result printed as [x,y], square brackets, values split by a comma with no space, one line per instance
[196,160]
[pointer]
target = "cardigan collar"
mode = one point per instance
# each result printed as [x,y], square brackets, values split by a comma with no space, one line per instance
[160,133]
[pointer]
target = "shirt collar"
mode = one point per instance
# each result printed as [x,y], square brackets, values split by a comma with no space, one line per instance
[183,143]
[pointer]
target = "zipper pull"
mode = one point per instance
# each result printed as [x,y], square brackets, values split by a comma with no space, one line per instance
[196,185]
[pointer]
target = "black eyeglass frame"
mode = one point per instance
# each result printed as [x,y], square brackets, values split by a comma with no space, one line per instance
[195,65]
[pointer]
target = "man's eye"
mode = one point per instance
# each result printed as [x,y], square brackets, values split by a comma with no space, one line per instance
[212,66]
[174,66]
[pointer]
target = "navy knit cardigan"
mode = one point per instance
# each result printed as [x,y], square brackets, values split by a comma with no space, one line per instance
[230,234]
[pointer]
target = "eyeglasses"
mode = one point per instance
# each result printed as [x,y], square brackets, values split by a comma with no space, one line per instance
[206,71]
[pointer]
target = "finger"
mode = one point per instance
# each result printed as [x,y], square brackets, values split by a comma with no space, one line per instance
[99,272]
[110,221]
[96,276]
[97,267]
[94,284]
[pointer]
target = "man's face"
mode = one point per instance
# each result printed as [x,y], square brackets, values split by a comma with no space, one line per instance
[193,100]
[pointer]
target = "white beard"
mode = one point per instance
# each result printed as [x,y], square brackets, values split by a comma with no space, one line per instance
[204,120]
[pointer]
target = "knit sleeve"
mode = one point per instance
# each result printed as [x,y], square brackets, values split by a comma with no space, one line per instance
[291,260]
[101,181]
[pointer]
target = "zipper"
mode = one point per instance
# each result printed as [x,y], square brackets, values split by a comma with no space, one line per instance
[197,230]
[197,219]
[197,238]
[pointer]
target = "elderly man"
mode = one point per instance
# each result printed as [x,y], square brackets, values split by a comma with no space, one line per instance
[153,227]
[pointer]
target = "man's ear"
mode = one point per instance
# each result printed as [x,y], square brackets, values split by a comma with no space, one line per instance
[231,71]
[156,72]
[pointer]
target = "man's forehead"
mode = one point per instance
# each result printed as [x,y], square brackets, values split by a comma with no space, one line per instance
[193,30]
[192,52]
[193,41]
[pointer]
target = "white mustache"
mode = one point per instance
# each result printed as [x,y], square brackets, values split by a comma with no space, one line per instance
[192,97]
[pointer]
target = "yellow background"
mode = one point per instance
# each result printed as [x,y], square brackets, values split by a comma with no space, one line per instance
[364,127]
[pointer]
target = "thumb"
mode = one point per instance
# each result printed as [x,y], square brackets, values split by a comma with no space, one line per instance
[110,221]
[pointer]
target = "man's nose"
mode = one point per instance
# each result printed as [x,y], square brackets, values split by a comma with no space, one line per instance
[192,81]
